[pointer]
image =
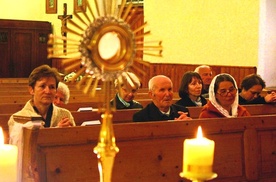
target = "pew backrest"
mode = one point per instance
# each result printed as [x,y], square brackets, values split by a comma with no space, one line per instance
[253,109]
[153,151]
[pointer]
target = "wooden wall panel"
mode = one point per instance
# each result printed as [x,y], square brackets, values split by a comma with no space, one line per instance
[147,70]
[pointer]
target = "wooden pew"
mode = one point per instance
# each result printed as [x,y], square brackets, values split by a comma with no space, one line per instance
[244,150]
[120,116]
[253,109]
[14,80]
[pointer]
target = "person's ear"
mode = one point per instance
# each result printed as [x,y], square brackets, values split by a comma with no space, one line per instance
[151,94]
[31,90]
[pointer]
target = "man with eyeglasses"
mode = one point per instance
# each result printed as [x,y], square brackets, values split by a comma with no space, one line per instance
[251,88]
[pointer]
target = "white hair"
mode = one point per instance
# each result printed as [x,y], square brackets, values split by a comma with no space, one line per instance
[65,90]
[152,81]
[133,78]
[202,66]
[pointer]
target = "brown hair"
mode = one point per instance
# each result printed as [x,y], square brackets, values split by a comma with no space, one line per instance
[43,71]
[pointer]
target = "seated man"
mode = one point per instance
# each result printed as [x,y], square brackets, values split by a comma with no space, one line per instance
[206,75]
[161,107]
[125,98]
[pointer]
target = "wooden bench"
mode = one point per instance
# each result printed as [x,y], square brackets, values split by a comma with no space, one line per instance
[120,116]
[244,150]
[254,109]
[12,107]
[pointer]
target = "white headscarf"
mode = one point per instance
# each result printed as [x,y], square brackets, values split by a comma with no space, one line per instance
[213,100]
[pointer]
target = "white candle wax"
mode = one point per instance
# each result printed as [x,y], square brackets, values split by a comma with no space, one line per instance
[198,155]
[8,161]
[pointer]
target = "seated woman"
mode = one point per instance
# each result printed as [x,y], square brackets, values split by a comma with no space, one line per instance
[190,90]
[62,95]
[251,88]
[43,82]
[223,99]
[125,98]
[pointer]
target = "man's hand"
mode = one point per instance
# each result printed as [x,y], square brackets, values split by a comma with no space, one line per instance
[65,122]
[183,116]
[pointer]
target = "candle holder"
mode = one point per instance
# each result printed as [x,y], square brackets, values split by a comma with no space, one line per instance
[198,155]
[198,177]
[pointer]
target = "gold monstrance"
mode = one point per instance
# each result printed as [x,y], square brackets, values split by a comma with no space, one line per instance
[104,45]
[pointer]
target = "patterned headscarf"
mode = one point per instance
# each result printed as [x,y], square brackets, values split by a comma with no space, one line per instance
[213,100]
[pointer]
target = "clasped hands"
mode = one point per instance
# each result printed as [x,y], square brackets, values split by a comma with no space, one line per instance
[65,122]
[183,116]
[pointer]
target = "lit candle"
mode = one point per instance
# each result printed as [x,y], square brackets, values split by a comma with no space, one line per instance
[198,155]
[8,160]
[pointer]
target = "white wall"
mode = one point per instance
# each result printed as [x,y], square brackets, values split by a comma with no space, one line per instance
[267,47]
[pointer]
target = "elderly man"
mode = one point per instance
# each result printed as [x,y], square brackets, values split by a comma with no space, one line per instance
[206,75]
[161,107]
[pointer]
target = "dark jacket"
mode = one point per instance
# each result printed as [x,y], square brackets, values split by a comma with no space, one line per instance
[258,100]
[152,113]
[187,102]
[119,105]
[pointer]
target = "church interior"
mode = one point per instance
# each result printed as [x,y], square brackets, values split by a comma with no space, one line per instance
[234,37]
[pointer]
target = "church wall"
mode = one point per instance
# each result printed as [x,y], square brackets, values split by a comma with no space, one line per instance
[193,32]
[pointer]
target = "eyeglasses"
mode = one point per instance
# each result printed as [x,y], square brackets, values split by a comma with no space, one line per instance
[224,92]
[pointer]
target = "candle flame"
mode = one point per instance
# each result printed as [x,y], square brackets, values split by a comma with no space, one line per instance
[199,132]
[1,136]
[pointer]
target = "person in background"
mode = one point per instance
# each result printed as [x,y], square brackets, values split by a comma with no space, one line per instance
[206,75]
[161,108]
[125,98]
[251,88]
[190,90]
[43,82]
[63,95]
[223,99]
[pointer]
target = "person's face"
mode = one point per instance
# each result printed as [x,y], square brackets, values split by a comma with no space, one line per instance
[194,88]
[226,94]
[206,75]
[162,95]
[128,94]
[59,99]
[252,93]
[44,91]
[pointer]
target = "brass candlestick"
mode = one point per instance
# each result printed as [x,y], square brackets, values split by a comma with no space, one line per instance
[106,148]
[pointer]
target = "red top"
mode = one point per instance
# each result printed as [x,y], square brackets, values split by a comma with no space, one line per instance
[209,111]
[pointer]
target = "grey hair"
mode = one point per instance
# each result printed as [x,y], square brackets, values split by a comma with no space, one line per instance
[202,66]
[65,90]
[152,81]
[132,76]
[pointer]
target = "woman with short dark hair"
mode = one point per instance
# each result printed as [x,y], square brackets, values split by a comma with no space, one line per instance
[251,88]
